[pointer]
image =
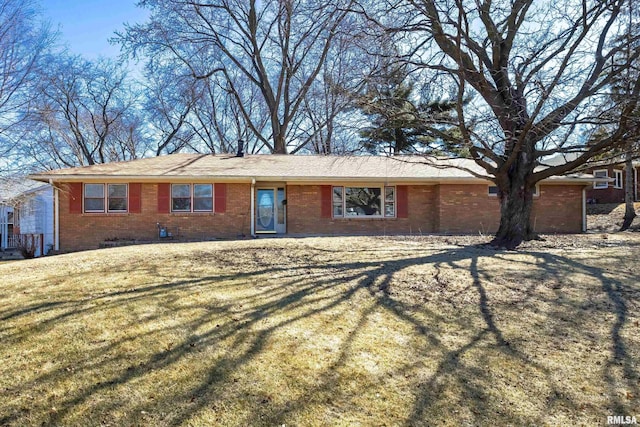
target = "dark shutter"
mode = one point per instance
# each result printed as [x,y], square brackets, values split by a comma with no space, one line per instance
[220,195]
[135,196]
[75,198]
[402,199]
[164,198]
[325,201]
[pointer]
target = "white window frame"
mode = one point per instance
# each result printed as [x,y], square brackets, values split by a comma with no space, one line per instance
[192,197]
[536,191]
[617,179]
[105,197]
[126,197]
[600,185]
[383,202]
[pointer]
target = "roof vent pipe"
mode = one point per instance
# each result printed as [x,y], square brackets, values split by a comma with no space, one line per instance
[240,148]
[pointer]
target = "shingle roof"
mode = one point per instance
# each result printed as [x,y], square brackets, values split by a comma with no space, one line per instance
[280,168]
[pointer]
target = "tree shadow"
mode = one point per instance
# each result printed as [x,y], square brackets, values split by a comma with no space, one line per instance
[235,333]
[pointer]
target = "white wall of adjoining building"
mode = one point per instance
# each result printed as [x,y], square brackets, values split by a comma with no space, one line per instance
[36,216]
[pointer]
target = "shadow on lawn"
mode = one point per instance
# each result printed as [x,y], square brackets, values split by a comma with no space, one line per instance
[310,289]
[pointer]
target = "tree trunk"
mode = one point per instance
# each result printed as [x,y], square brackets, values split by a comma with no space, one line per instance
[515,219]
[279,143]
[516,200]
[629,211]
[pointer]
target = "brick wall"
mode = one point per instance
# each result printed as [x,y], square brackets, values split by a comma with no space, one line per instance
[88,230]
[303,214]
[558,209]
[451,208]
[468,208]
[610,194]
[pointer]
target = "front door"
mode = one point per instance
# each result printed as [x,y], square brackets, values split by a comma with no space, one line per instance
[271,210]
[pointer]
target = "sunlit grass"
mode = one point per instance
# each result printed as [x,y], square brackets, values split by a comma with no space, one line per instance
[350,331]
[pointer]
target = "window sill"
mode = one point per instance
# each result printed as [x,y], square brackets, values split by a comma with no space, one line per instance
[106,214]
[192,213]
[364,218]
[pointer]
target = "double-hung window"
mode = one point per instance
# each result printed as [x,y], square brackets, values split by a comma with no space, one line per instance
[192,198]
[355,202]
[617,177]
[602,173]
[105,198]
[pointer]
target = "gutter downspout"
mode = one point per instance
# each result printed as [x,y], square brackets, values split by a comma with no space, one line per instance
[635,181]
[584,209]
[253,222]
[56,217]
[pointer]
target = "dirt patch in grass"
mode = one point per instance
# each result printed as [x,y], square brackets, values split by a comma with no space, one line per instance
[324,331]
[608,217]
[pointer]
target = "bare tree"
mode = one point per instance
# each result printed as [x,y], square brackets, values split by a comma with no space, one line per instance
[623,87]
[170,99]
[24,37]
[276,46]
[541,70]
[219,121]
[84,114]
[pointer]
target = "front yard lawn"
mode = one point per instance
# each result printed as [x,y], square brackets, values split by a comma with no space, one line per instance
[324,331]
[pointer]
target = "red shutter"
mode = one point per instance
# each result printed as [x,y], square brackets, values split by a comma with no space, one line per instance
[164,197]
[325,201]
[220,194]
[135,195]
[402,200]
[75,198]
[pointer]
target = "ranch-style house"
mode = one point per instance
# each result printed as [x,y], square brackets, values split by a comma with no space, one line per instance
[200,197]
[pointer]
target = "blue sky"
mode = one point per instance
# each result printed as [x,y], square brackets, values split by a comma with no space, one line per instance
[86,25]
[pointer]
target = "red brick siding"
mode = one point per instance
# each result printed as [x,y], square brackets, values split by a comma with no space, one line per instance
[610,194]
[465,208]
[304,209]
[87,231]
[451,208]
[558,209]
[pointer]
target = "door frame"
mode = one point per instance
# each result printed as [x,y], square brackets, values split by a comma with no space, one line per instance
[279,208]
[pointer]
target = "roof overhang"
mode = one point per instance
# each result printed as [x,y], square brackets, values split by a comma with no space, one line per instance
[575,180]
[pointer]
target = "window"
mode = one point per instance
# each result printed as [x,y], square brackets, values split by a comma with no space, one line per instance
[493,191]
[192,198]
[389,201]
[115,198]
[203,197]
[364,202]
[603,173]
[181,198]
[617,176]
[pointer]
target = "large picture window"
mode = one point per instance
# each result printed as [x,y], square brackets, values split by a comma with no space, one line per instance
[192,198]
[112,196]
[349,202]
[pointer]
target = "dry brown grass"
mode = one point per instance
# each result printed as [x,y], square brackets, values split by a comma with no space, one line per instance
[321,331]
